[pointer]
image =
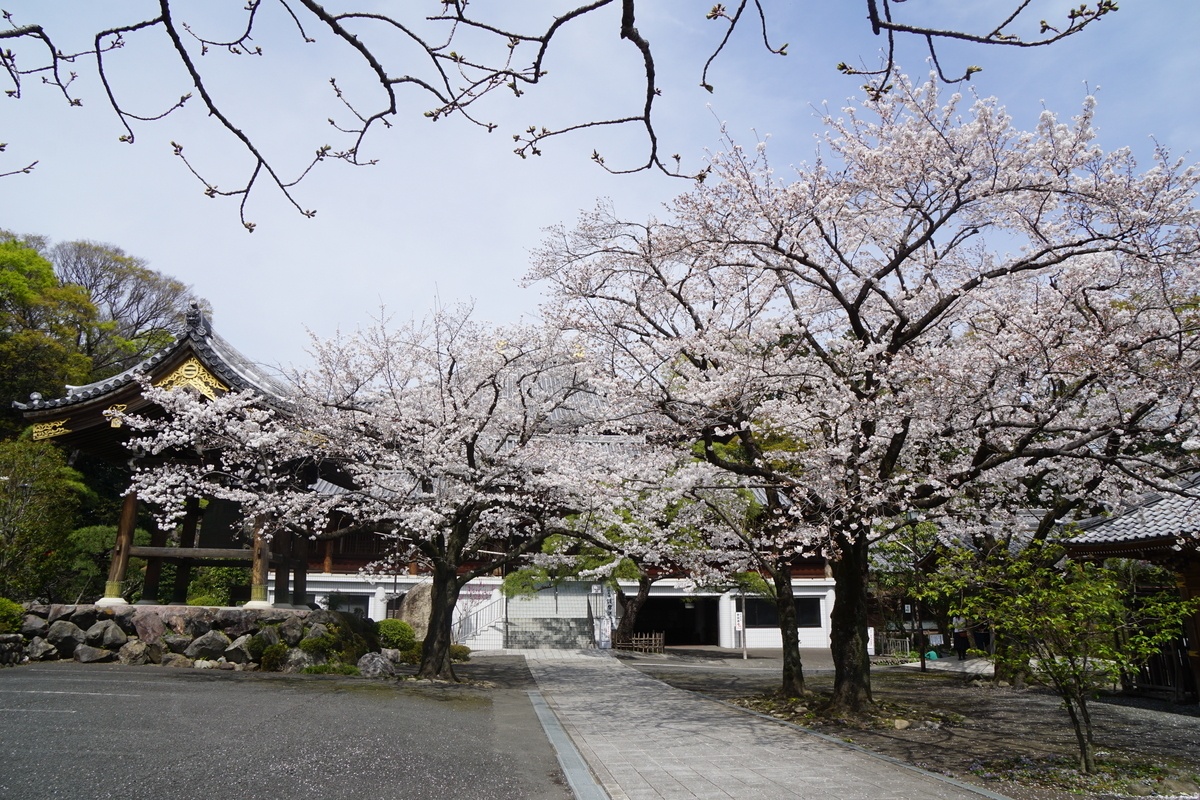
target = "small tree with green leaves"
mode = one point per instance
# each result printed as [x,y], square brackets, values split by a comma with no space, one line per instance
[1074,623]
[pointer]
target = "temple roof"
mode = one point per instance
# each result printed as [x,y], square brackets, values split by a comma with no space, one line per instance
[1157,522]
[198,358]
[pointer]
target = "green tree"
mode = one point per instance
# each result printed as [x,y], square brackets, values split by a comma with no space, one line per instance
[139,310]
[1074,624]
[39,321]
[39,495]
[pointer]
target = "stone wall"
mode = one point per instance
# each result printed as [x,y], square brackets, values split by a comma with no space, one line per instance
[185,636]
[549,632]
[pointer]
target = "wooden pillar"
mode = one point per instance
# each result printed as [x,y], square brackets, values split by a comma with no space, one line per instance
[259,567]
[187,538]
[300,577]
[1189,589]
[328,567]
[150,588]
[120,553]
[281,545]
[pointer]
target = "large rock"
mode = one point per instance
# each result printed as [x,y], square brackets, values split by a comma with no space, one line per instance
[57,612]
[322,617]
[291,630]
[237,621]
[12,648]
[238,651]
[123,616]
[65,636]
[415,608]
[211,645]
[176,660]
[316,631]
[86,654]
[148,625]
[85,616]
[268,636]
[107,634]
[189,621]
[136,654]
[376,665]
[296,660]
[33,625]
[176,643]
[39,649]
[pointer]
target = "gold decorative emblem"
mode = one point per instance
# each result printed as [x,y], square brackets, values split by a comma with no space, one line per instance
[192,373]
[48,430]
[114,413]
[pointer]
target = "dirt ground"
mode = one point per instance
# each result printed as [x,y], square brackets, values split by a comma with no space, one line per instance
[960,728]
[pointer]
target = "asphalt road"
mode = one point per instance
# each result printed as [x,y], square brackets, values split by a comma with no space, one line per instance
[74,731]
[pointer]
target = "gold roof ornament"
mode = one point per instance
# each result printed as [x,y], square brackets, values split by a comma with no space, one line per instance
[48,430]
[192,373]
[114,413]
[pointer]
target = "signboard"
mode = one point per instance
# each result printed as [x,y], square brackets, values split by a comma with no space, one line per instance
[737,620]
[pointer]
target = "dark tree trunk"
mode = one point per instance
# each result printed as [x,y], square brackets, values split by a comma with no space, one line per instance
[630,606]
[792,684]
[435,655]
[848,634]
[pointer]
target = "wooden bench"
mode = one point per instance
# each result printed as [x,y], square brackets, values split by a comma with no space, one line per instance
[642,643]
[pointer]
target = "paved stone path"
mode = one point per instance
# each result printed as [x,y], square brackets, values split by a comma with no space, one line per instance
[647,741]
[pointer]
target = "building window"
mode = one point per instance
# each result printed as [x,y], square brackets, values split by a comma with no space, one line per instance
[761,613]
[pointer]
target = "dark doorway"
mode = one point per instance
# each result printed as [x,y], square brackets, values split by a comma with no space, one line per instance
[680,624]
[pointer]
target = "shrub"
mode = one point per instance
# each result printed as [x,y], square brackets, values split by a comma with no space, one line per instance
[273,656]
[331,669]
[320,645]
[395,634]
[10,616]
[256,646]
[205,600]
[460,652]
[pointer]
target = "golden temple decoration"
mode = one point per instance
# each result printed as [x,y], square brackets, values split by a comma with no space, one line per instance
[114,413]
[48,430]
[192,373]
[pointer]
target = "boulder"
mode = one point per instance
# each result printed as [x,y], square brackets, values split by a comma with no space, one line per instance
[268,636]
[33,625]
[239,651]
[274,616]
[204,663]
[291,630]
[65,636]
[12,648]
[176,660]
[57,612]
[85,616]
[123,616]
[107,634]
[901,724]
[321,617]
[1170,786]
[211,646]
[37,609]
[393,655]
[316,631]
[296,660]
[148,625]
[237,621]
[189,621]
[39,649]
[376,665]
[86,654]
[415,608]
[136,654]
[177,644]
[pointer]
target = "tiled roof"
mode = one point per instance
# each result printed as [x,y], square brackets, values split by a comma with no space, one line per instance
[1158,516]
[226,363]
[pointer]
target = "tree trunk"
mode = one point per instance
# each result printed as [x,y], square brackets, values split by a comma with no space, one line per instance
[435,654]
[848,634]
[792,684]
[1083,734]
[630,606]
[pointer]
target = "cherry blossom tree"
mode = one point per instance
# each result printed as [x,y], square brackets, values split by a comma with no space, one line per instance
[462,445]
[939,318]
[443,57]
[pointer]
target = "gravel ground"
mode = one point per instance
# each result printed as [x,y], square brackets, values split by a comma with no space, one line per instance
[988,723]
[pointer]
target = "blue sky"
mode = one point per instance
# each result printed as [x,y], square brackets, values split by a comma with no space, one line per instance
[449,213]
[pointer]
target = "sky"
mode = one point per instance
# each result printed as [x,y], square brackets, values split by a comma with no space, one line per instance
[449,214]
